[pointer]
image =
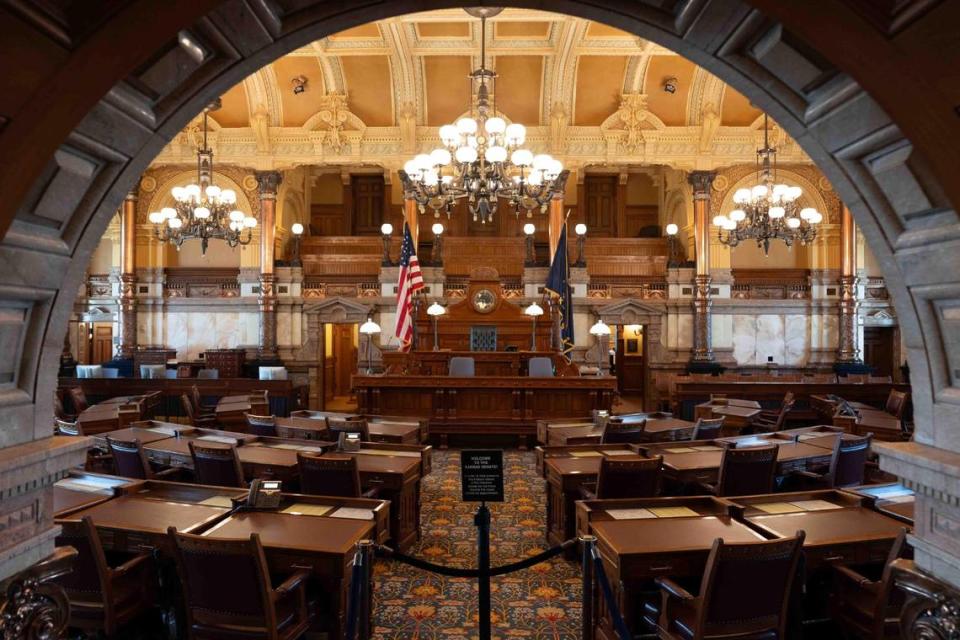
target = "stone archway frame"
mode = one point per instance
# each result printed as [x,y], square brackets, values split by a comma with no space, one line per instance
[87,152]
[633,311]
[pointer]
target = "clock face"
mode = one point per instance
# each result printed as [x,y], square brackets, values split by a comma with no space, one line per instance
[483,301]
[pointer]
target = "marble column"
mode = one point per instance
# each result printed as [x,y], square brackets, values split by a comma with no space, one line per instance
[702,339]
[127,320]
[268,183]
[847,350]
[411,216]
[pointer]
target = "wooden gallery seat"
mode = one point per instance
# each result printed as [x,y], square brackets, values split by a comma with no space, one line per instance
[896,403]
[745,472]
[105,596]
[774,420]
[261,425]
[847,466]
[331,475]
[625,479]
[130,461]
[745,593]
[195,419]
[707,428]
[229,595]
[865,606]
[217,465]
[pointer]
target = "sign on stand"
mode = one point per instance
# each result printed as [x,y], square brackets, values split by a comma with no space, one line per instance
[481,475]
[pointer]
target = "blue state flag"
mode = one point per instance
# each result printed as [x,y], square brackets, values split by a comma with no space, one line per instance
[558,286]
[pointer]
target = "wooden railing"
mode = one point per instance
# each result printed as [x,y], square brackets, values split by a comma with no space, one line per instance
[189,282]
[770,284]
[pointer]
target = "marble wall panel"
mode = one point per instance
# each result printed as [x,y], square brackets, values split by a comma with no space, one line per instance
[283,329]
[745,339]
[796,340]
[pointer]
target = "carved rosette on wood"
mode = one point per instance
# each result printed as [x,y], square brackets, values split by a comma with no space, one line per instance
[35,608]
[932,610]
[702,351]
[847,350]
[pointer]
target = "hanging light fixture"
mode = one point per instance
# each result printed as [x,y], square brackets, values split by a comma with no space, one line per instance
[203,210]
[768,211]
[482,158]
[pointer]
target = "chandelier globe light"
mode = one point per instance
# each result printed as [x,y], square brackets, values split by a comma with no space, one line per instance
[202,210]
[768,211]
[482,159]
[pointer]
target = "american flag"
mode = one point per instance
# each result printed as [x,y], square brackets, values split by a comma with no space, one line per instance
[410,280]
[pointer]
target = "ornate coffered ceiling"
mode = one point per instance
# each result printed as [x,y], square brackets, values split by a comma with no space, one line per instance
[587,92]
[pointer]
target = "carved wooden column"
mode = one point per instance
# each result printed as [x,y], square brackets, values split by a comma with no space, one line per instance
[268,183]
[412,217]
[847,350]
[127,320]
[702,339]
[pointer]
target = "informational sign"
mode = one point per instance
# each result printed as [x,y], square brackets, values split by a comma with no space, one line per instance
[481,475]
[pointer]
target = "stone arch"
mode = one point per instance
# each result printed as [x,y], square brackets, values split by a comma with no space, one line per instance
[76,159]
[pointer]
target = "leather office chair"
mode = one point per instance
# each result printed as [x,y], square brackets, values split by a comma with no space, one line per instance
[208,374]
[896,403]
[744,593]
[228,593]
[193,419]
[625,479]
[153,371]
[79,399]
[272,373]
[261,425]
[349,425]
[866,607]
[847,466]
[102,597]
[462,366]
[130,461]
[617,431]
[111,372]
[707,428]
[331,475]
[171,374]
[198,406]
[774,420]
[89,371]
[540,368]
[745,472]
[217,465]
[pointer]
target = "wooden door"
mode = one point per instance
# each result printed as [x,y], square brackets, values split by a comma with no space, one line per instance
[630,361]
[345,358]
[369,196]
[600,204]
[101,344]
[879,349]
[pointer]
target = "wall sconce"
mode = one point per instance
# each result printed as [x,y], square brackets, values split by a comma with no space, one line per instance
[672,230]
[386,230]
[297,231]
[436,252]
[534,310]
[581,230]
[531,251]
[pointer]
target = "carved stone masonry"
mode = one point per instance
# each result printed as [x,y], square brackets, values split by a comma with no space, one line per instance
[702,334]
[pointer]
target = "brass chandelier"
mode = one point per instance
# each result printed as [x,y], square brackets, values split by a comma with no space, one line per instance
[203,210]
[482,158]
[768,211]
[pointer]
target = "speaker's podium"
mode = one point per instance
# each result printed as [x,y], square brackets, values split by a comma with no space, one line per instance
[478,382]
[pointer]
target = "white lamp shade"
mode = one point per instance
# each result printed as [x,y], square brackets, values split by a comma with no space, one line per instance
[201,212]
[496,154]
[729,225]
[580,229]
[297,228]
[759,191]
[495,126]
[436,309]
[534,310]
[529,228]
[369,327]
[542,161]
[423,161]
[742,196]
[250,222]
[386,228]
[237,216]
[213,191]
[793,223]
[522,158]
[449,135]
[515,134]
[431,178]
[174,223]
[467,126]
[794,192]
[776,212]
[228,196]
[807,212]
[466,154]
[168,212]
[737,215]
[155,217]
[440,157]
[600,329]
[437,228]
[535,178]
[554,170]
[672,229]
[411,167]
[192,190]
[816,218]
[719,221]
[178,193]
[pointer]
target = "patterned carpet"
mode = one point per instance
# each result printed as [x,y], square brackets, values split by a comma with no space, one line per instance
[542,602]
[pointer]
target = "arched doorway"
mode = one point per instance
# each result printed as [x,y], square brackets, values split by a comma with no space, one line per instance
[77,131]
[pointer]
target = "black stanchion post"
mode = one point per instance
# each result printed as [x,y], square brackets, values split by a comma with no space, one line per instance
[482,520]
[366,601]
[586,564]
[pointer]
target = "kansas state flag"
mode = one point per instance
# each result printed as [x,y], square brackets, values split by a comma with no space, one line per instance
[558,286]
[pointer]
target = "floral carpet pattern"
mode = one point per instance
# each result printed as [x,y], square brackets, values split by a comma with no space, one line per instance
[542,602]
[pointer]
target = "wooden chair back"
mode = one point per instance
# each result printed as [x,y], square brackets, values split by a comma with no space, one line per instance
[226,584]
[629,478]
[849,461]
[747,471]
[746,588]
[216,465]
[89,576]
[896,403]
[196,399]
[618,432]
[887,596]
[349,425]
[79,399]
[785,407]
[129,458]
[67,428]
[707,428]
[329,475]
[261,425]
[58,410]
[189,410]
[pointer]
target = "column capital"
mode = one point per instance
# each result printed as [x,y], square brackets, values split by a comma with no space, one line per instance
[134,194]
[701,181]
[268,182]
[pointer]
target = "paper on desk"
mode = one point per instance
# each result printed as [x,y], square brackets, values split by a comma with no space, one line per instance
[815,505]
[297,447]
[220,439]
[305,509]
[585,454]
[217,501]
[91,485]
[672,512]
[905,497]
[618,452]
[707,447]
[680,450]
[167,431]
[353,513]
[777,507]
[887,492]
[630,514]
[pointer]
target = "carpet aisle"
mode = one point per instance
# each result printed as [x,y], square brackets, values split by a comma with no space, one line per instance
[542,602]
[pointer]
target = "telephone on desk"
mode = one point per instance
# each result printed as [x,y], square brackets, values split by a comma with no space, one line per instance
[264,494]
[348,441]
